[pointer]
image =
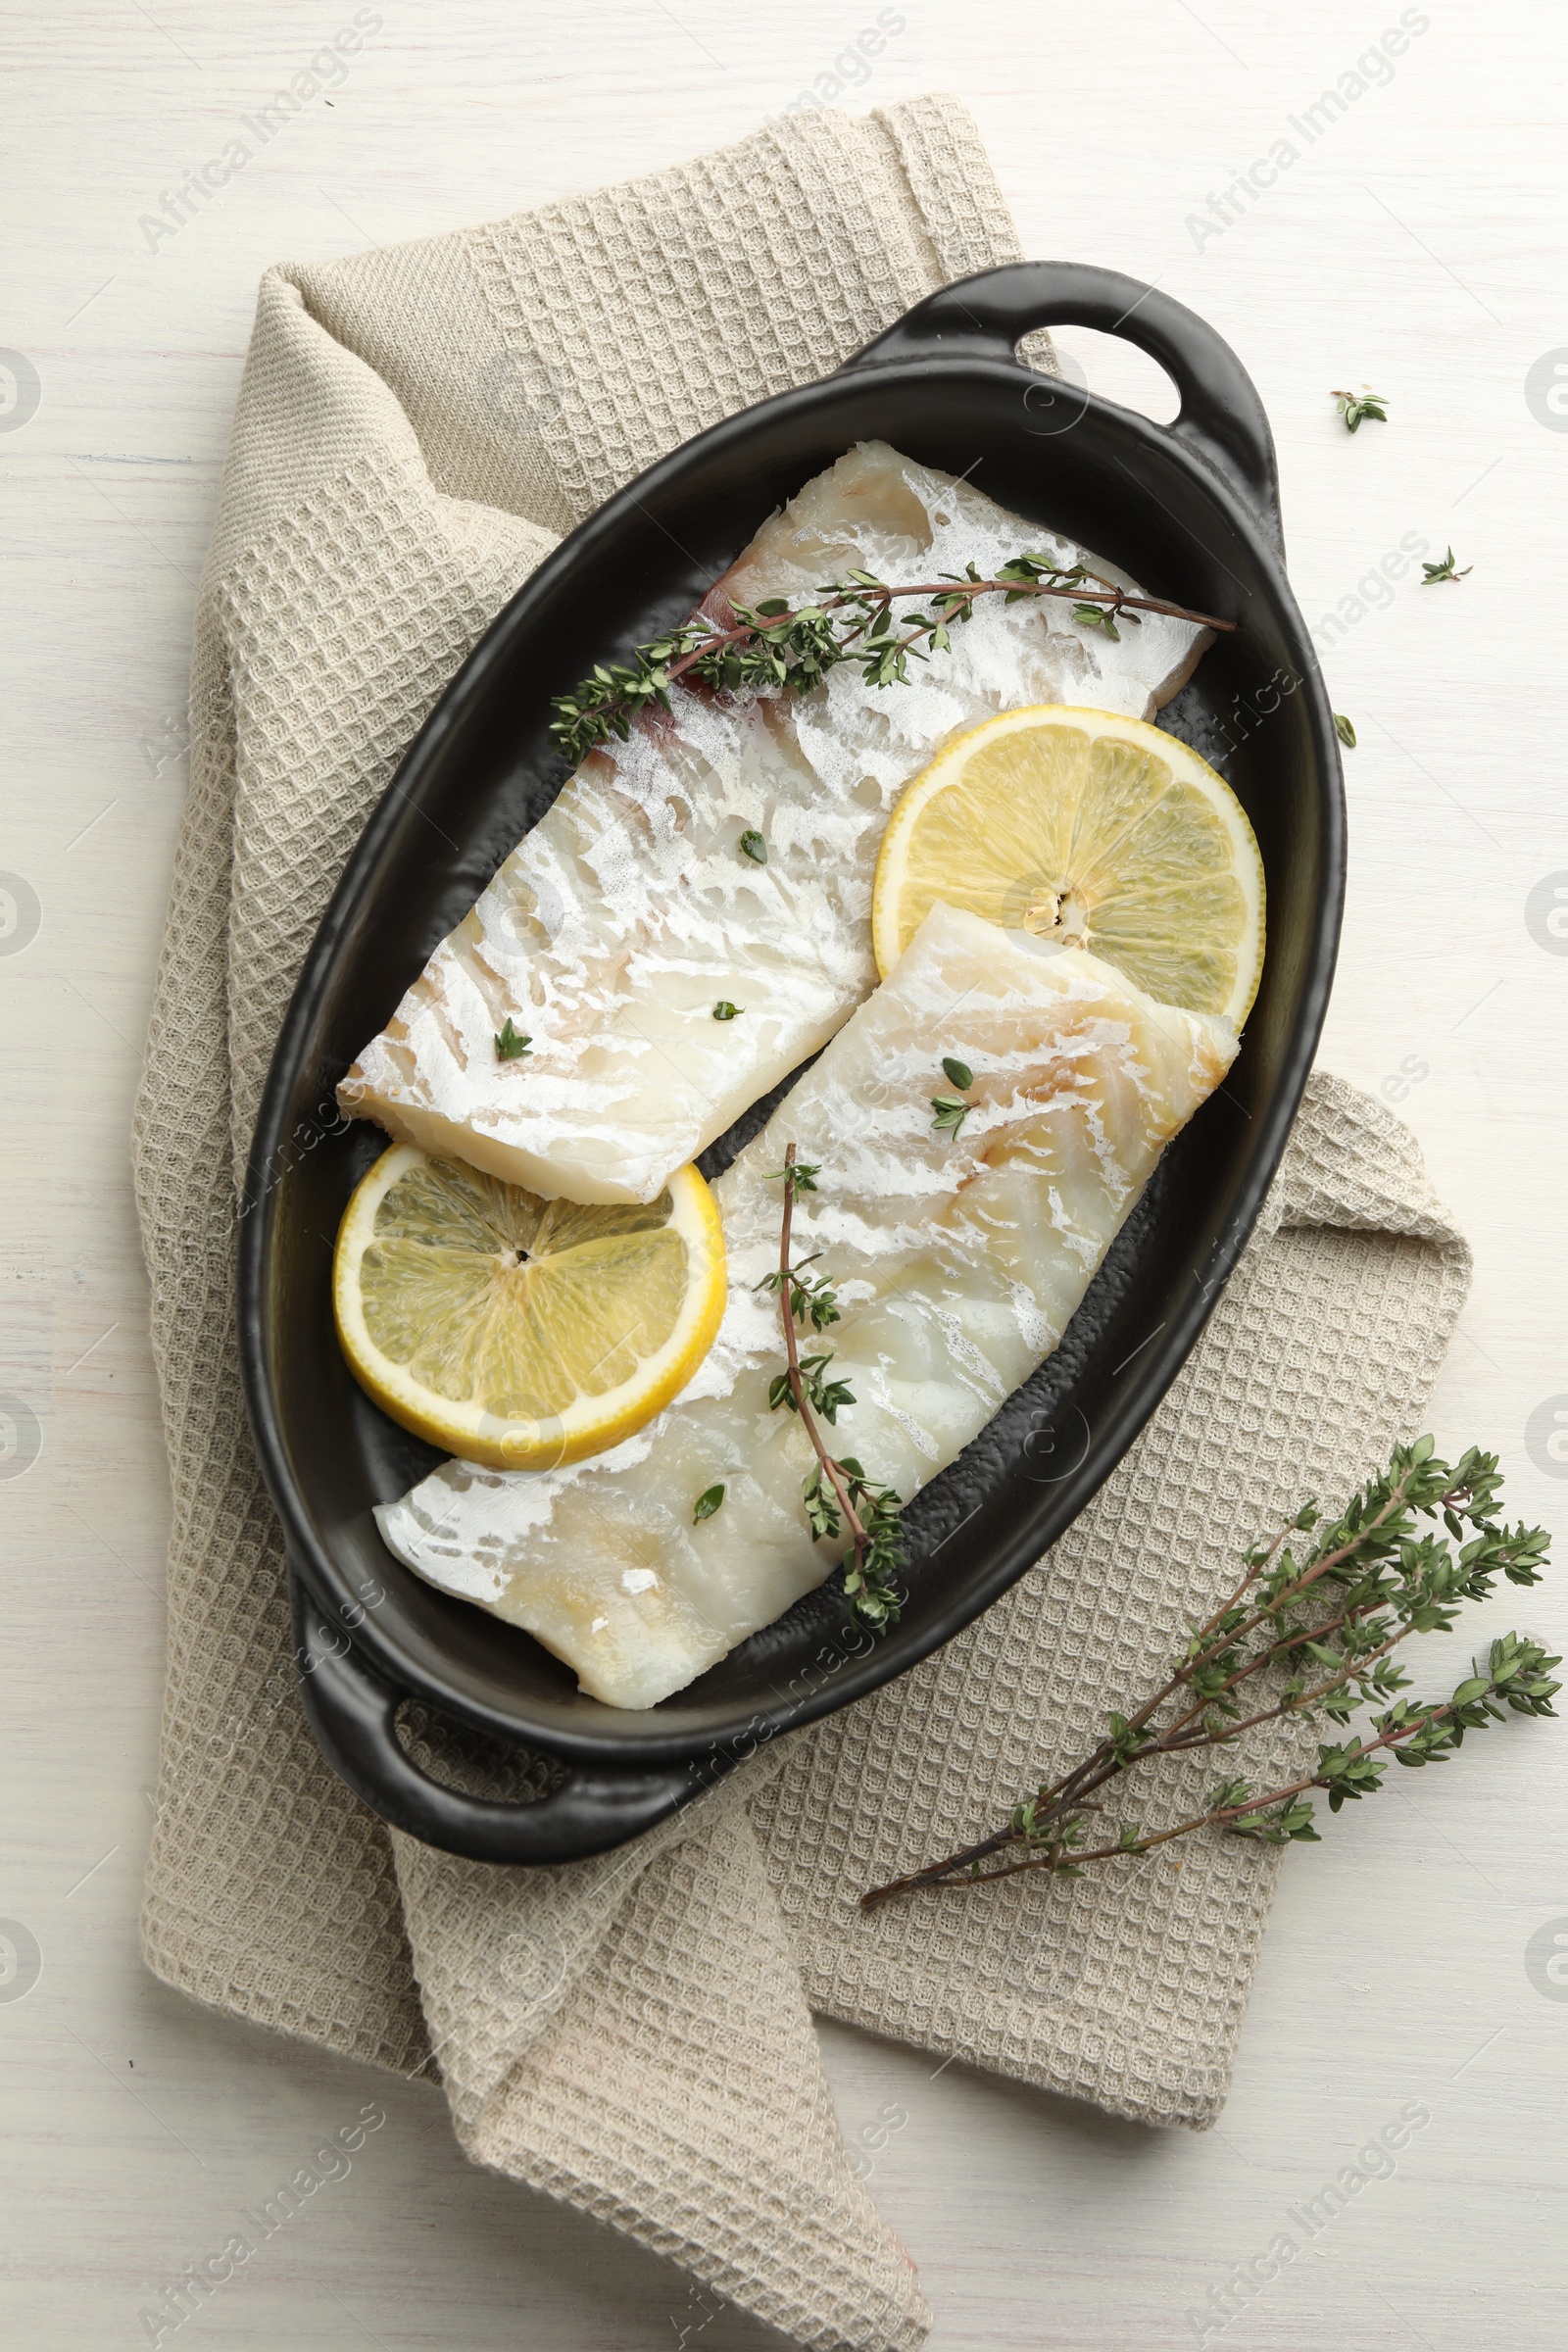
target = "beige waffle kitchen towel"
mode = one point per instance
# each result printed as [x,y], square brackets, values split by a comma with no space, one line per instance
[632,2034]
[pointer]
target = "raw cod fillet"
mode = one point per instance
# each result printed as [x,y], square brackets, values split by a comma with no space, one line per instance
[617,924]
[958,1263]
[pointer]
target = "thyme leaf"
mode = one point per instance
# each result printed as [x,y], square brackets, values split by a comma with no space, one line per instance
[706,1505]
[796,1175]
[807,1378]
[1100,617]
[812,1297]
[510,1047]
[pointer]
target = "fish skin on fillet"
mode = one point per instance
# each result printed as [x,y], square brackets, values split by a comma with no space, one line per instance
[957,1259]
[629,911]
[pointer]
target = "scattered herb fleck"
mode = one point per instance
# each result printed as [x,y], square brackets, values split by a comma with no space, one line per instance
[957,1072]
[706,1505]
[725,1011]
[752,846]
[1443,571]
[509,1046]
[1344,730]
[1356,406]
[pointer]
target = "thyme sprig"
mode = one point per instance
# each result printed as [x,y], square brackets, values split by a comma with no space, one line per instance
[1356,406]
[774,646]
[1431,573]
[838,1496]
[1322,1630]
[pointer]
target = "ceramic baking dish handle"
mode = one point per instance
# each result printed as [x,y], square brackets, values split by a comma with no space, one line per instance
[1221,414]
[352,1713]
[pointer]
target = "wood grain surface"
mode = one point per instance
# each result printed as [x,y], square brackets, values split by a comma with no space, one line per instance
[1411,240]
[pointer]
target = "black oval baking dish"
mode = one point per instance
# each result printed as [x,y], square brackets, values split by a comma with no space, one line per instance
[1192,510]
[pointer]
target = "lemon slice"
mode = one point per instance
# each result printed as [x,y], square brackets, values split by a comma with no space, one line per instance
[1089,828]
[519,1332]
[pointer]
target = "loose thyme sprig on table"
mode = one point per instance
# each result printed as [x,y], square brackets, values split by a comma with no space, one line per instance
[1356,406]
[1431,573]
[772,645]
[1329,1625]
[838,1496]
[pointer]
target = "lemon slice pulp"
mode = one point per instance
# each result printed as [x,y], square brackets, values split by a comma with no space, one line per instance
[519,1332]
[1093,829]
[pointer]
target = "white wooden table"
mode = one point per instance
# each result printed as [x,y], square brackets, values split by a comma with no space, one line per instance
[1413,241]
